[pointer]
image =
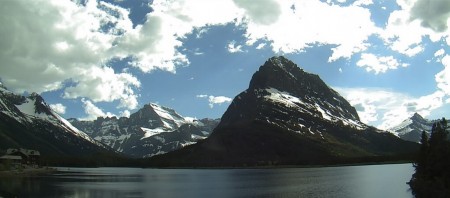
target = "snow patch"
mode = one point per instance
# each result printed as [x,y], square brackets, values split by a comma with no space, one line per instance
[152,132]
[325,114]
[165,114]
[283,98]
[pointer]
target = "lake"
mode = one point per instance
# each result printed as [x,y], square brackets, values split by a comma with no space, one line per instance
[347,181]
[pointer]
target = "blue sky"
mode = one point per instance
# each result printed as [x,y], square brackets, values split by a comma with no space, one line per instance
[91,58]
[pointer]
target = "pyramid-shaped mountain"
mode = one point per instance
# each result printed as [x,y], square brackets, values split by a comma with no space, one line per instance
[411,128]
[288,117]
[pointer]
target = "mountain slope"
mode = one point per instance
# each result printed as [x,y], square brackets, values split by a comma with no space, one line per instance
[287,116]
[28,122]
[411,128]
[150,131]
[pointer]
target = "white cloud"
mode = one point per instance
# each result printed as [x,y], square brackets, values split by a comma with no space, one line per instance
[443,78]
[233,48]
[80,39]
[363,2]
[439,53]
[378,64]
[425,104]
[58,108]
[202,96]
[302,24]
[213,100]
[405,29]
[102,84]
[387,109]
[125,113]
[261,46]
[48,43]
[92,111]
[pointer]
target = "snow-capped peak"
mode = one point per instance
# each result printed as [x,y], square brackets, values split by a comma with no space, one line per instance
[410,129]
[32,110]
[169,117]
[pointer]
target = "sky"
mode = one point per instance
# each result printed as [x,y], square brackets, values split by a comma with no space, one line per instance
[91,58]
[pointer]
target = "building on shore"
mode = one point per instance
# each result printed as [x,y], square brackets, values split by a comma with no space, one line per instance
[22,156]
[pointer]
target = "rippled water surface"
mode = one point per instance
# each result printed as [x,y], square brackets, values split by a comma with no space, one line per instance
[349,181]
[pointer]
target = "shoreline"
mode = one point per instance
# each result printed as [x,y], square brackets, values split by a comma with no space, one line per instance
[28,172]
[279,166]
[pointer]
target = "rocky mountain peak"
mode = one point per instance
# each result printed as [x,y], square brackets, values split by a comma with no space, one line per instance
[277,72]
[418,118]
[411,128]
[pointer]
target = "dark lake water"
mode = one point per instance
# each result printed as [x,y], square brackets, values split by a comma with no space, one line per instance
[349,181]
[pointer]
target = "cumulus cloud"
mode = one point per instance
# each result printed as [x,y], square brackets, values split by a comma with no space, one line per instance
[302,24]
[58,108]
[213,100]
[60,41]
[102,84]
[386,109]
[92,111]
[379,64]
[404,31]
[434,14]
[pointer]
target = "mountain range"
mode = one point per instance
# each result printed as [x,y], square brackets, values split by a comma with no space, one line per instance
[150,131]
[29,122]
[287,116]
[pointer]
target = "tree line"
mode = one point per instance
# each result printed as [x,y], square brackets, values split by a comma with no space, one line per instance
[432,166]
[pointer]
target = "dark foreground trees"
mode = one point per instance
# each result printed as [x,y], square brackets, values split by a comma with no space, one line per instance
[432,176]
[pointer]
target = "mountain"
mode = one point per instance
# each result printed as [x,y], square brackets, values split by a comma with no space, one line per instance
[28,122]
[288,116]
[411,128]
[152,130]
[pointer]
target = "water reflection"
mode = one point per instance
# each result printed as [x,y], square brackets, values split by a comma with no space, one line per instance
[352,181]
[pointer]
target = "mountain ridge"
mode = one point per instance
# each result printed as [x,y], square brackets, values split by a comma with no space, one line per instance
[152,130]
